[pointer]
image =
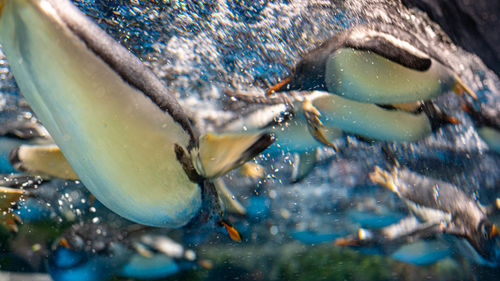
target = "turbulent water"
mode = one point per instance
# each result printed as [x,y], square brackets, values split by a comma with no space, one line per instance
[200,48]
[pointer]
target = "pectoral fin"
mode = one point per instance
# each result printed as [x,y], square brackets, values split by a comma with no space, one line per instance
[43,160]
[218,154]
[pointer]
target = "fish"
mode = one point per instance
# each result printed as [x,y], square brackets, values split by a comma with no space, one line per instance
[373,63]
[440,203]
[123,133]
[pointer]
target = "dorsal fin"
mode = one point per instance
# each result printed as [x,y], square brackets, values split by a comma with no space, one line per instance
[391,48]
[218,154]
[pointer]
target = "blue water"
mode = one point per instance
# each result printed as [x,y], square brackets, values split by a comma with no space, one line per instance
[199,48]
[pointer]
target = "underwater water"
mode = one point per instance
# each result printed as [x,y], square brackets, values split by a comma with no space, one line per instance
[202,48]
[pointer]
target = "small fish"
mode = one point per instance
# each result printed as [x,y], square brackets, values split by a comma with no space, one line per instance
[123,133]
[373,63]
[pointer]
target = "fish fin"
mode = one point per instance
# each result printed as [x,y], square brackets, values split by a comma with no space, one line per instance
[219,154]
[252,170]
[303,164]
[459,88]
[44,160]
[385,178]
[230,202]
[398,53]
